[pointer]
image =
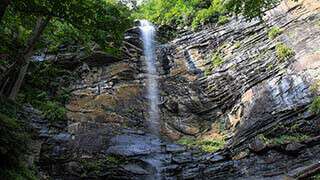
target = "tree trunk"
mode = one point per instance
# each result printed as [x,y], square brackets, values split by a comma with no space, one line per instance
[3,6]
[37,31]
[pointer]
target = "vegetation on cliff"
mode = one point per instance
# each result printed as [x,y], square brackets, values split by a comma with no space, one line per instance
[198,12]
[14,138]
[28,26]
[32,27]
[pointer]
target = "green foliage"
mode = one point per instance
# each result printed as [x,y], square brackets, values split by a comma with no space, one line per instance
[210,14]
[45,90]
[212,145]
[289,139]
[223,20]
[216,60]
[250,8]
[315,87]
[208,145]
[187,141]
[19,173]
[13,140]
[168,11]
[92,166]
[81,22]
[274,32]
[9,108]
[53,111]
[237,45]
[207,72]
[284,139]
[283,52]
[181,12]
[315,105]
[115,160]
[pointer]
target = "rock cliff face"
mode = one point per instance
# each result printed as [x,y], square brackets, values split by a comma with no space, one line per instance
[232,81]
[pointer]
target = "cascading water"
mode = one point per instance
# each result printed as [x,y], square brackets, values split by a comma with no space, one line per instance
[148,34]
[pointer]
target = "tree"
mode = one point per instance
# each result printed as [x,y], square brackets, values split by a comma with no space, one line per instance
[250,8]
[99,21]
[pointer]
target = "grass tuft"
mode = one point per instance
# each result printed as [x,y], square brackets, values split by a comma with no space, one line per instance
[274,32]
[283,52]
[206,145]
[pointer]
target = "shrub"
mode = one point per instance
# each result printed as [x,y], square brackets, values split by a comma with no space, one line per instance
[46,90]
[223,20]
[207,72]
[274,32]
[283,139]
[315,105]
[53,111]
[187,141]
[283,52]
[212,145]
[237,45]
[216,60]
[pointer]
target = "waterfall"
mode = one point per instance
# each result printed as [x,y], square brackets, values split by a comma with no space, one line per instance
[148,34]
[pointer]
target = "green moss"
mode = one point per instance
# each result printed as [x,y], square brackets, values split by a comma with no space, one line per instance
[289,139]
[274,32]
[315,105]
[209,145]
[187,141]
[283,139]
[207,72]
[315,86]
[216,60]
[283,51]
[270,67]
[237,45]
[212,145]
[223,20]
[115,160]
[92,166]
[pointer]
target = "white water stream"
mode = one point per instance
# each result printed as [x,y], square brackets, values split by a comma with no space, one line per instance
[148,37]
[148,34]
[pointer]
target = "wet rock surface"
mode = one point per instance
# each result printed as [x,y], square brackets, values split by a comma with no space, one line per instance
[258,102]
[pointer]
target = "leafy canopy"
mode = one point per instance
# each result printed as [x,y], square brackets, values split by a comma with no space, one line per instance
[75,21]
[197,12]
